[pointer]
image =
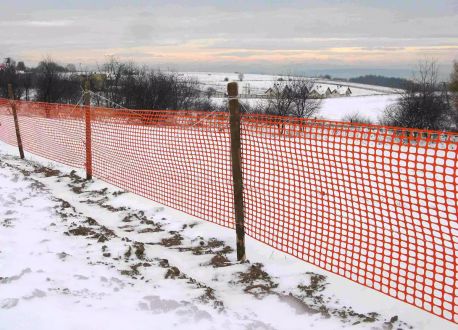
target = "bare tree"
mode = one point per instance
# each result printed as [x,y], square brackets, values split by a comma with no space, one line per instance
[454,90]
[137,87]
[114,70]
[421,105]
[293,97]
[454,78]
[26,81]
[54,85]
[303,105]
[356,117]
[281,99]
[9,75]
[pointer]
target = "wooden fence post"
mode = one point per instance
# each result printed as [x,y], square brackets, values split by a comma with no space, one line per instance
[87,108]
[234,110]
[16,121]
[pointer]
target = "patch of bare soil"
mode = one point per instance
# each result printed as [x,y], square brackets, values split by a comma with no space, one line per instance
[174,240]
[81,231]
[133,272]
[139,250]
[174,272]
[211,246]
[46,171]
[220,260]
[7,222]
[256,281]
[310,299]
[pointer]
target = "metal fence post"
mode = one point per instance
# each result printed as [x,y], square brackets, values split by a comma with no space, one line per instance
[16,121]
[87,112]
[234,110]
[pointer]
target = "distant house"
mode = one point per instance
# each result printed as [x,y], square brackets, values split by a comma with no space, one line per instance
[277,90]
[317,92]
[347,91]
[320,91]
[314,94]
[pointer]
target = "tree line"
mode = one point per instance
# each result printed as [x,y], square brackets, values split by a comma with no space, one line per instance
[114,84]
[423,102]
[377,80]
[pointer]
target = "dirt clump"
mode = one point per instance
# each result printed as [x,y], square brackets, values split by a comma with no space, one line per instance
[256,281]
[173,240]
[219,260]
[139,250]
[48,172]
[172,273]
[81,231]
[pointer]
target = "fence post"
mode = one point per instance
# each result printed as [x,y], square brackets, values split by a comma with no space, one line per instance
[234,110]
[16,121]
[87,112]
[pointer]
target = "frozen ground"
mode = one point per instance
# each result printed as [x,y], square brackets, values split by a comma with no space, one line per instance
[259,83]
[370,107]
[367,100]
[77,254]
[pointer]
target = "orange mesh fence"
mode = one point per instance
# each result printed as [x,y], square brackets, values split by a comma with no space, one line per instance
[377,205]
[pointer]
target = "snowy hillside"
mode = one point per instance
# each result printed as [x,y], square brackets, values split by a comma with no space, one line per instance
[77,254]
[366,100]
[258,83]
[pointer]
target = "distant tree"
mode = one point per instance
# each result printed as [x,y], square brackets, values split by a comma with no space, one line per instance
[240,76]
[421,105]
[281,99]
[303,105]
[55,86]
[9,75]
[135,87]
[71,67]
[293,98]
[20,66]
[392,82]
[454,89]
[9,62]
[114,71]
[454,78]
[26,81]
[356,118]
[210,92]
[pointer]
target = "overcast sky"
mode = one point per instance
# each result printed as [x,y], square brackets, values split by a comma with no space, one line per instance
[388,36]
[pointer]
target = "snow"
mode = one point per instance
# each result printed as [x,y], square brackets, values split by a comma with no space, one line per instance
[370,107]
[51,280]
[366,100]
[259,83]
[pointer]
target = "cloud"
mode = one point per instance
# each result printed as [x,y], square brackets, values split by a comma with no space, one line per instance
[56,23]
[232,33]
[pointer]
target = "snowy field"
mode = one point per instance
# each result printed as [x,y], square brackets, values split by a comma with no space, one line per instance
[369,107]
[259,83]
[368,101]
[77,254]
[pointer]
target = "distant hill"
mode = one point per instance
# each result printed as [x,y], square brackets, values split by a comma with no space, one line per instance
[381,81]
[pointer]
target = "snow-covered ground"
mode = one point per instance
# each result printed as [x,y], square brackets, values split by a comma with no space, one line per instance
[77,254]
[370,107]
[367,101]
[258,83]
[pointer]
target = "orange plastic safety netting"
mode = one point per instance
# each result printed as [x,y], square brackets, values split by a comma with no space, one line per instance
[374,204]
